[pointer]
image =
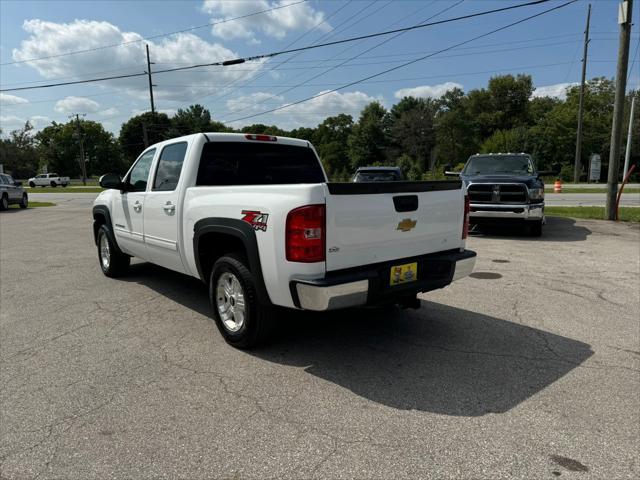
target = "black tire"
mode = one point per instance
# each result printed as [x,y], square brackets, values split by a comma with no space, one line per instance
[24,203]
[4,202]
[535,228]
[118,263]
[32,185]
[258,318]
[54,184]
[64,185]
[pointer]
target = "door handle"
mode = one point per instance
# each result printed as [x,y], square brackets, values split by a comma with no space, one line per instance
[169,208]
[137,206]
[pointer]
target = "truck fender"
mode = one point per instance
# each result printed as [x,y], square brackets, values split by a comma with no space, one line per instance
[245,234]
[103,211]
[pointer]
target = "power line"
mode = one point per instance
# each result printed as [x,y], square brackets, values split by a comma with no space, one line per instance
[282,52]
[349,59]
[155,36]
[355,82]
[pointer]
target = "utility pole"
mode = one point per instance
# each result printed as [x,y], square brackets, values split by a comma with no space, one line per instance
[83,164]
[145,135]
[627,153]
[148,72]
[577,165]
[625,11]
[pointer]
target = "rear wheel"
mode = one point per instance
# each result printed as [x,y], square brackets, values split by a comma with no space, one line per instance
[4,202]
[32,185]
[24,203]
[112,262]
[242,319]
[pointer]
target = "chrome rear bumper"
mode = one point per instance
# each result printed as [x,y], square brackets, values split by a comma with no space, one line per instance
[371,284]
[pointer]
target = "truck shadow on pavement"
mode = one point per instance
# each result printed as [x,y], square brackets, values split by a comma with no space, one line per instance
[439,359]
[557,229]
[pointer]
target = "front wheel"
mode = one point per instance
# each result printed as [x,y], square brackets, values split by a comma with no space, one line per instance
[535,228]
[243,321]
[54,184]
[112,262]
[4,203]
[24,203]
[32,185]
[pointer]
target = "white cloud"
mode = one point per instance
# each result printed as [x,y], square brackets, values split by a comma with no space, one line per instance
[427,91]
[46,39]
[109,112]
[6,99]
[11,120]
[39,121]
[255,102]
[276,23]
[76,105]
[559,90]
[312,112]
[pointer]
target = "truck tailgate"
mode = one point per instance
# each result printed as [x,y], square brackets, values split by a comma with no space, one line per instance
[376,222]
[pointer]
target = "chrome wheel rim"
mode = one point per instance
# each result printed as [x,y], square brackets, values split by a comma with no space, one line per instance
[105,252]
[230,302]
[5,203]
[25,200]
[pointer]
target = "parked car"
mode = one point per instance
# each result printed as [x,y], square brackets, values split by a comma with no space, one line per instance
[254,217]
[11,192]
[48,180]
[505,187]
[378,174]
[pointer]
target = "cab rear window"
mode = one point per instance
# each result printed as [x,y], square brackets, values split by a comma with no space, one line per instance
[242,163]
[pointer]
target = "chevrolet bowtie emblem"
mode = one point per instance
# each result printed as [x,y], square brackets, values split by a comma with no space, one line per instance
[406,224]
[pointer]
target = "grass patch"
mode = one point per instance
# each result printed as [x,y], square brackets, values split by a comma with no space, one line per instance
[64,190]
[627,214]
[590,190]
[35,204]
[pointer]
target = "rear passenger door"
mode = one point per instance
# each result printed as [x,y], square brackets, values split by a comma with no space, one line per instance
[163,209]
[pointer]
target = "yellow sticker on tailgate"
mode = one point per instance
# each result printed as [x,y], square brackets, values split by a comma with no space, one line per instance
[404,273]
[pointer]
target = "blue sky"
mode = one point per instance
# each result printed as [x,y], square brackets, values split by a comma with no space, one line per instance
[549,48]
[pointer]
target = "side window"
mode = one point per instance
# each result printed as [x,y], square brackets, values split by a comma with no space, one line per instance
[9,179]
[140,172]
[2,180]
[169,167]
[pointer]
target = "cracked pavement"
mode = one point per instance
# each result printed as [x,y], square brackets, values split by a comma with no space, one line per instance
[532,372]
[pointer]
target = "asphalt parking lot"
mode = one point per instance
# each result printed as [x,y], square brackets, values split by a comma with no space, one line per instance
[528,369]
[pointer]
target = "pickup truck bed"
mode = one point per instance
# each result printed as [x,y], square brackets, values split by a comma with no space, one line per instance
[257,212]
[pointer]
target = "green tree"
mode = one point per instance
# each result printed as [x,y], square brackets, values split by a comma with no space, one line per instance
[368,140]
[330,140]
[513,140]
[59,148]
[18,153]
[412,131]
[193,119]
[132,133]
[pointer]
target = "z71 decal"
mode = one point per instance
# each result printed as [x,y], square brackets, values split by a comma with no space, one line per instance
[256,219]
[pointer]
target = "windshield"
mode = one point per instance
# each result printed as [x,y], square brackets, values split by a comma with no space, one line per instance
[376,176]
[489,164]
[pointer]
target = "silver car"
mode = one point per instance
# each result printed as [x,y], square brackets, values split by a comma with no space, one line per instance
[11,192]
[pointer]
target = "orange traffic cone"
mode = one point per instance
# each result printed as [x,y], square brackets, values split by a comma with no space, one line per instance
[557,187]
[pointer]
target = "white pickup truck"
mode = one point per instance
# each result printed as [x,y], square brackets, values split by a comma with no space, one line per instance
[255,218]
[48,180]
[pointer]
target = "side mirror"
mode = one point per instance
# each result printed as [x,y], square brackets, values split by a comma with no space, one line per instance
[451,174]
[17,184]
[111,180]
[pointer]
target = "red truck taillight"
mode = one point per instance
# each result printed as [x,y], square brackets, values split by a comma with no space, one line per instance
[465,220]
[305,234]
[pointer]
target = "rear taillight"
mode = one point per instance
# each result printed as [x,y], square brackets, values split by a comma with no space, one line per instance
[305,234]
[261,138]
[465,224]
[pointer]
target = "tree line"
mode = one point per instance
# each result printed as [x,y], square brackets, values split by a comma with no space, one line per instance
[420,135]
